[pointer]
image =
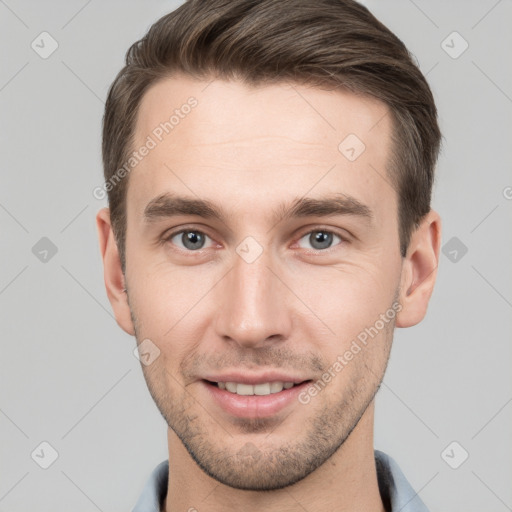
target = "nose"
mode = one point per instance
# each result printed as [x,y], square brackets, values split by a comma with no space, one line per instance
[253,304]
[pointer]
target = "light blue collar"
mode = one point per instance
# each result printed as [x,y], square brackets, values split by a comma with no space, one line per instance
[397,494]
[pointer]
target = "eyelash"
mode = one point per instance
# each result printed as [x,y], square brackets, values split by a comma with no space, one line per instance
[168,237]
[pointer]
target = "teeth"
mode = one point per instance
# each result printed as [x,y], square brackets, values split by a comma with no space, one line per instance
[231,386]
[266,388]
[262,389]
[244,389]
[275,387]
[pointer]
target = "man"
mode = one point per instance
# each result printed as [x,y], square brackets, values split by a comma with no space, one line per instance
[269,165]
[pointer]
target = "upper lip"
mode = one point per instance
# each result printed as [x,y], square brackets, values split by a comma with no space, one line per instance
[253,379]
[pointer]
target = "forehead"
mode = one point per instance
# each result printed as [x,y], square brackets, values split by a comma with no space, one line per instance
[232,108]
[230,141]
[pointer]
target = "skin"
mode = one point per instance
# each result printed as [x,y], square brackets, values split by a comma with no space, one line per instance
[295,308]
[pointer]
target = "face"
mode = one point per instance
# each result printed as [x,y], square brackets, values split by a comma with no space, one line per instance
[261,252]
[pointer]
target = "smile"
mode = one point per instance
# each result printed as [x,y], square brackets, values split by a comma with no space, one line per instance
[262,389]
[256,400]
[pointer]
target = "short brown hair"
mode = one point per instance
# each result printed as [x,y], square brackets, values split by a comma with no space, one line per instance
[335,43]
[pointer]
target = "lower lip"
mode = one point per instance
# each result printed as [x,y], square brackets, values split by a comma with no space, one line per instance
[254,406]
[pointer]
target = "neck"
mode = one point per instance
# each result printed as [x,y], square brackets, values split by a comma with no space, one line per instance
[347,481]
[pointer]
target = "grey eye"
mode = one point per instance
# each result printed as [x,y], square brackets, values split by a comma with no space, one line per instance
[190,240]
[320,239]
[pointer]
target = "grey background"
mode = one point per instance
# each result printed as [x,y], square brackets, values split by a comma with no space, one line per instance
[68,373]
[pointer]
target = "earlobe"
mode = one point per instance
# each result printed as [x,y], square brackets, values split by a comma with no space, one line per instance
[419,271]
[112,272]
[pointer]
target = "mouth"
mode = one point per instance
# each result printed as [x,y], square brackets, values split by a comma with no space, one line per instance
[262,389]
[254,400]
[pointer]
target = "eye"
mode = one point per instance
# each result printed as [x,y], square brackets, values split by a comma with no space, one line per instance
[320,239]
[190,239]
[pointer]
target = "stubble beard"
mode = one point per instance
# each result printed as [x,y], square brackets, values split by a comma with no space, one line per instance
[262,465]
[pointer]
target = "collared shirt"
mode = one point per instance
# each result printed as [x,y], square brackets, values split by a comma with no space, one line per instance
[396,492]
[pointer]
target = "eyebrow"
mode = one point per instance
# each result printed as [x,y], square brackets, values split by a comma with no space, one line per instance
[169,205]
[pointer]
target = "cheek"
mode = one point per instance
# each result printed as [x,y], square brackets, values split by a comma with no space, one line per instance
[164,293]
[169,307]
[348,298]
[351,300]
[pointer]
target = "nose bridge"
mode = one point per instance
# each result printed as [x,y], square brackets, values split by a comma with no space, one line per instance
[253,304]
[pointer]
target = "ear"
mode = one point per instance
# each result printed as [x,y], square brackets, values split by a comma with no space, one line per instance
[419,271]
[112,272]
